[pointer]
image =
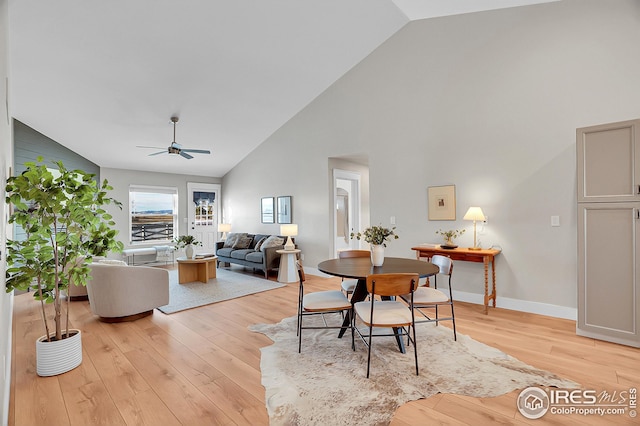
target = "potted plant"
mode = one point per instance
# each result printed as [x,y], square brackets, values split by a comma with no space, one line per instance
[449,236]
[377,236]
[61,223]
[187,242]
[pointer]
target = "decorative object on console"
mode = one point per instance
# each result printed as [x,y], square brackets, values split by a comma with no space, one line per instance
[475,214]
[442,202]
[290,230]
[449,236]
[224,228]
[376,236]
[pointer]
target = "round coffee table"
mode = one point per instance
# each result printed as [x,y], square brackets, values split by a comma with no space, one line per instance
[202,270]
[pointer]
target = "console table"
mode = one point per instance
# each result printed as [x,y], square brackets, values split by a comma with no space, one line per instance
[485,256]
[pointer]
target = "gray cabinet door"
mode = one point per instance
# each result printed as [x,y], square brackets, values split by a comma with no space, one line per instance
[609,162]
[608,259]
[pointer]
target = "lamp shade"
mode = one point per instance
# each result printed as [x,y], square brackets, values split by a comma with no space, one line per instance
[224,227]
[474,213]
[289,230]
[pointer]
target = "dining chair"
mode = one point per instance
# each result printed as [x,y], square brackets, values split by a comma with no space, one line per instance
[430,297]
[349,284]
[388,313]
[319,303]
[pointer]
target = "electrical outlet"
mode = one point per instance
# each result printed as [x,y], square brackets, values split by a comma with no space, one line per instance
[301,256]
[392,220]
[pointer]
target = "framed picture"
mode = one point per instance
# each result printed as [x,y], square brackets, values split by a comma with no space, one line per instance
[442,202]
[284,209]
[267,210]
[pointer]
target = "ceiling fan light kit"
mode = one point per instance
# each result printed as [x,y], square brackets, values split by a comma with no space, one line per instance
[176,148]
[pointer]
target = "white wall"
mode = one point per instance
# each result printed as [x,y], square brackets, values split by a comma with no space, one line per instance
[121,179]
[486,101]
[6,154]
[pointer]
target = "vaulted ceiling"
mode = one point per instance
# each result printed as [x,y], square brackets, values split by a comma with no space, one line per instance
[103,77]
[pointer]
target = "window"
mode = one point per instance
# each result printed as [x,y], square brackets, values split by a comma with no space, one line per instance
[153,212]
[205,208]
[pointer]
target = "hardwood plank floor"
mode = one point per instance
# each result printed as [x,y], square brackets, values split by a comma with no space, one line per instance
[202,366]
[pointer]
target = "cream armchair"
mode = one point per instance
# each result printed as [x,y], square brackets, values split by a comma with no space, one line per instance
[125,293]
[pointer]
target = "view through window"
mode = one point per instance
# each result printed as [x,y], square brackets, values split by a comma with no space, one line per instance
[153,212]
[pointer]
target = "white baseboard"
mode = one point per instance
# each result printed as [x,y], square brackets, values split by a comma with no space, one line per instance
[547,309]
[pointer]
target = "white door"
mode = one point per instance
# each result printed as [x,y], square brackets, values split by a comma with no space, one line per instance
[203,214]
[346,194]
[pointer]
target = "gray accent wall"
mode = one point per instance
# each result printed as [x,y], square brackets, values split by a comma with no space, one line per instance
[489,102]
[30,144]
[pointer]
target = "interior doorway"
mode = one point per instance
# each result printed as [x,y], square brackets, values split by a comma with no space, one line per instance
[346,218]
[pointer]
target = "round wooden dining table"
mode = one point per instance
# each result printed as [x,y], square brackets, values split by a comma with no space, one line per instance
[360,267]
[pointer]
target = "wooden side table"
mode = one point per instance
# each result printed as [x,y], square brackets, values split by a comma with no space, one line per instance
[287,272]
[485,256]
[202,270]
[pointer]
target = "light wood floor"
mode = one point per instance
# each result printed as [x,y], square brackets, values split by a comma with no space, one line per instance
[202,366]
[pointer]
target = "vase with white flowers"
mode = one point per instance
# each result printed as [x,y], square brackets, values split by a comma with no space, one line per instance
[377,236]
[187,242]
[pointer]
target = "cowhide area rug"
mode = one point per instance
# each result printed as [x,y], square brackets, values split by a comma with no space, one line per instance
[326,384]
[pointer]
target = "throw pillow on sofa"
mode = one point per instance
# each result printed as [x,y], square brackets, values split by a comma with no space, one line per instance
[231,239]
[272,241]
[260,242]
[243,242]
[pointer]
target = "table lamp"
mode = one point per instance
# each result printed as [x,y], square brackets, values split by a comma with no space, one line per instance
[290,230]
[224,228]
[474,214]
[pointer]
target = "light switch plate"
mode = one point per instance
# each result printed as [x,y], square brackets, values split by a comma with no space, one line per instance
[555,220]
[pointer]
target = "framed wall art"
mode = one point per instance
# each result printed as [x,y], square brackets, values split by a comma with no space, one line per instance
[442,202]
[267,210]
[284,209]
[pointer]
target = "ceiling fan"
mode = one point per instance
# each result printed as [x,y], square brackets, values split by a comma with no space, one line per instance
[176,148]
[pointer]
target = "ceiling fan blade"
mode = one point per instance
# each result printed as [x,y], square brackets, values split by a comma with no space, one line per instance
[197,151]
[185,155]
[150,147]
[158,153]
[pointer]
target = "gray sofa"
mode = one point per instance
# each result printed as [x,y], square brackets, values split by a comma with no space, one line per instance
[239,250]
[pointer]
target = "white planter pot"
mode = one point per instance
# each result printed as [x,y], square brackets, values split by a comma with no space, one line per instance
[377,254]
[60,356]
[189,251]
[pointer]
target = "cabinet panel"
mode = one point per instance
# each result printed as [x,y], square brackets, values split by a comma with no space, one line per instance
[608,162]
[608,285]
